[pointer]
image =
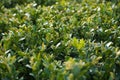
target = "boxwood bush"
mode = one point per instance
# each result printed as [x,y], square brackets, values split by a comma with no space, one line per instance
[60,40]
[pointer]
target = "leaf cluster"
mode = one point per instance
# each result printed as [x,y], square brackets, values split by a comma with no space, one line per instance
[59,40]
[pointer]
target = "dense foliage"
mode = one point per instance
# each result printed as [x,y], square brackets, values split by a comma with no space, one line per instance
[59,40]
